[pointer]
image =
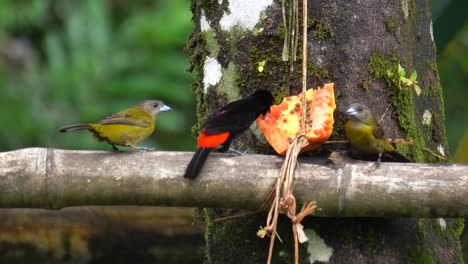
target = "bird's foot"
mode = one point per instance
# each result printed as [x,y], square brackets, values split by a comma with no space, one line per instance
[376,165]
[236,152]
[144,149]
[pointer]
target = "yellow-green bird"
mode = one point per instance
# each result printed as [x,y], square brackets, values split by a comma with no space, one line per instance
[127,127]
[366,136]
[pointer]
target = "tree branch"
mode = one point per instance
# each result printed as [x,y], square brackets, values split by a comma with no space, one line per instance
[52,178]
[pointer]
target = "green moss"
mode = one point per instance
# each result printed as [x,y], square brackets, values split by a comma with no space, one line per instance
[318,72]
[432,88]
[453,229]
[422,253]
[208,228]
[407,34]
[457,226]
[391,23]
[412,11]
[426,83]
[419,256]
[213,10]
[430,80]
[197,57]
[240,236]
[211,43]
[266,49]
[280,93]
[203,44]
[220,230]
[276,71]
[380,64]
[410,23]
[322,29]
[456,229]
[229,79]
[386,67]
[418,251]
[403,102]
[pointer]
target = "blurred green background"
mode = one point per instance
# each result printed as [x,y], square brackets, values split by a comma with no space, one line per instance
[68,61]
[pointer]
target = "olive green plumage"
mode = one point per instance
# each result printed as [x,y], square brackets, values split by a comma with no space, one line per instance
[365,135]
[127,127]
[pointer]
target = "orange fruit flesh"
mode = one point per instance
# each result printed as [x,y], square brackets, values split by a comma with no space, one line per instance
[282,124]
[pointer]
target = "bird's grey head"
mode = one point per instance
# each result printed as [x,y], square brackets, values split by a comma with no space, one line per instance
[359,112]
[154,107]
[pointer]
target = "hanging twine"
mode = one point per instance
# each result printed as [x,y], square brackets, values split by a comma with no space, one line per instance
[284,201]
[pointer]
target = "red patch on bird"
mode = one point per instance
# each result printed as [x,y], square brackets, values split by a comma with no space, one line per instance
[212,141]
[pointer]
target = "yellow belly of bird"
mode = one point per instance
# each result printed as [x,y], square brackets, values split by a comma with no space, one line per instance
[123,135]
[362,140]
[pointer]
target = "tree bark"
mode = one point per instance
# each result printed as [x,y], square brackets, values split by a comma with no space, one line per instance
[358,46]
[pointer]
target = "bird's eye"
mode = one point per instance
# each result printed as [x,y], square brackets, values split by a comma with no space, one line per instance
[155,104]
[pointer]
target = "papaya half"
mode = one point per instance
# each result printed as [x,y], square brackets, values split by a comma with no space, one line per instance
[283,122]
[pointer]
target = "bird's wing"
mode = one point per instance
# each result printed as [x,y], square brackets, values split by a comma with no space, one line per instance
[233,117]
[378,131]
[126,117]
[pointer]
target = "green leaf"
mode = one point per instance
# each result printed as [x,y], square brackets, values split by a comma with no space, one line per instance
[401,71]
[261,65]
[417,89]
[403,79]
[414,75]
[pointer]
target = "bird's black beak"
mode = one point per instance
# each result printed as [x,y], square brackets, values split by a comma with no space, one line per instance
[165,108]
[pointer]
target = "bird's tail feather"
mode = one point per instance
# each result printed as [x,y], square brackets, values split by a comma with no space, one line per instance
[75,127]
[196,164]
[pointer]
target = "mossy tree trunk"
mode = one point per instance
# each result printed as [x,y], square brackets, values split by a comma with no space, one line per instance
[358,46]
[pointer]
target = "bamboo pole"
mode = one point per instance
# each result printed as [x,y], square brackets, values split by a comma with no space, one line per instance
[53,179]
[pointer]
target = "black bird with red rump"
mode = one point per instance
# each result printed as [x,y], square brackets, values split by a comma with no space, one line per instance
[222,126]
